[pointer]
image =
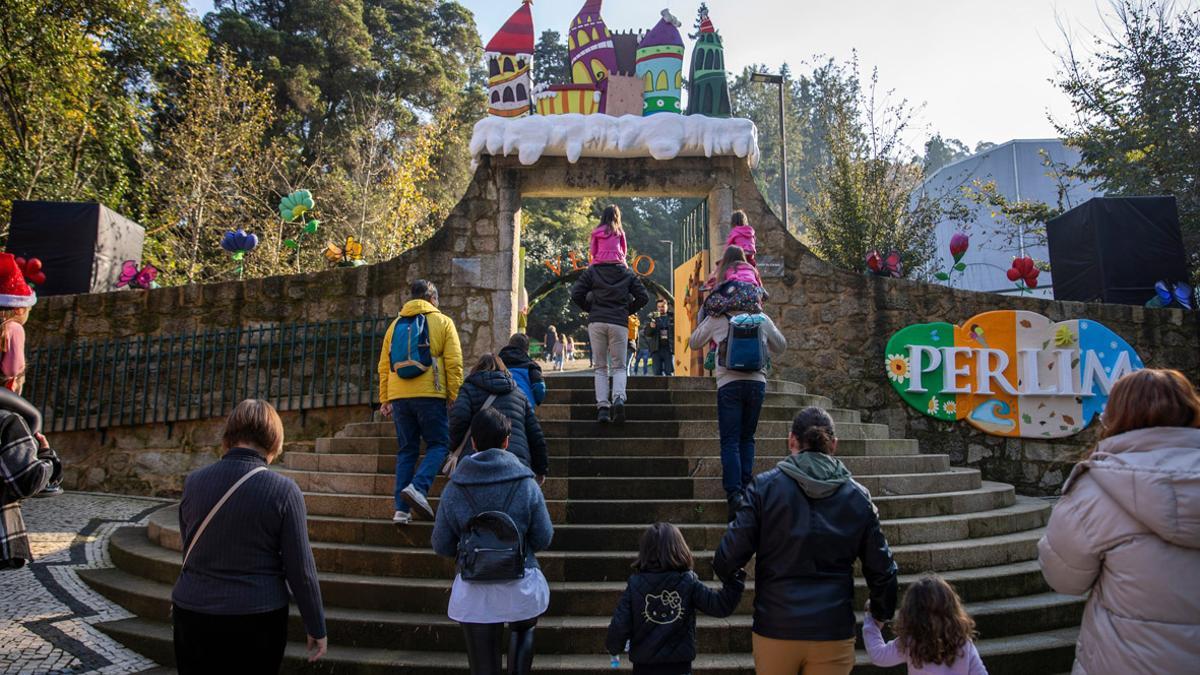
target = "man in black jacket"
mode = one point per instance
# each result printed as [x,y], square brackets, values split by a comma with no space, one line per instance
[820,521]
[661,332]
[609,293]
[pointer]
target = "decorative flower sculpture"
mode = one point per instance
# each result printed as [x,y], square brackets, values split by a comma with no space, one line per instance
[1166,294]
[959,244]
[239,243]
[31,269]
[884,267]
[1024,274]
[897,365]
[295,205]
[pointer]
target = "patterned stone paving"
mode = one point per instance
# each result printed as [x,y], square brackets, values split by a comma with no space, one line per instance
[46,612]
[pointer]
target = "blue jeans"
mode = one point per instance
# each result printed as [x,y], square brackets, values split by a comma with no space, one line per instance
[738,407]
[417,418]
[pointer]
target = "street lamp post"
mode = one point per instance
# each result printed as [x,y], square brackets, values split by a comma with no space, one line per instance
[671,250]
[768,78]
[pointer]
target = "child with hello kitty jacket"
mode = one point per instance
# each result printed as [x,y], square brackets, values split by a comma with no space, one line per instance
[656,615]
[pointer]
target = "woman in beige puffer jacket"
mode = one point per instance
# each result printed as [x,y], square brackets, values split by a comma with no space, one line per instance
[1128,529]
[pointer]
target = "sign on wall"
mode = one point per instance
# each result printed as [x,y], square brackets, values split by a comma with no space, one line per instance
[1010,373]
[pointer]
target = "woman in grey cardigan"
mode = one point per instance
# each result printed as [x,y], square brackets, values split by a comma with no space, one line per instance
[493,479]
[244,546]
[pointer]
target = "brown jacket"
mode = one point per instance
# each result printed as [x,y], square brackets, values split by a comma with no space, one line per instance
[1128,529]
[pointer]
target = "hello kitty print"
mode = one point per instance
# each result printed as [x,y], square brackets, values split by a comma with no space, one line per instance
[664,608]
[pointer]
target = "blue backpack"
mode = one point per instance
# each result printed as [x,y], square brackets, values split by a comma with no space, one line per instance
[410,354]
[744,350]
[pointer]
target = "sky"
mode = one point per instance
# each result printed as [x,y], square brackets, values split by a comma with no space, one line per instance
[979,70]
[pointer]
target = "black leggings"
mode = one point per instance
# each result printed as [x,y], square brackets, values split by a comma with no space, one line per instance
[244,643]
[483,647]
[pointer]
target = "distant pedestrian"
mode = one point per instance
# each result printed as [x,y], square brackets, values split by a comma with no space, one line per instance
[570,348]
[498,580]
[656,614]
[934,633]
[1127,531]
[661,332]
[27,467]
[807,521]
[609,293]
[245,545]
[549,343]
[420,371]
[560,354]
[491,385]
[524,370]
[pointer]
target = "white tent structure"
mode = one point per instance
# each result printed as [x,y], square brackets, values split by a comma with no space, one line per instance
[1020,172]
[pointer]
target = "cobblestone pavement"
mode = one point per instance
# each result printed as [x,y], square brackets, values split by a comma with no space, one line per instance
[46,612]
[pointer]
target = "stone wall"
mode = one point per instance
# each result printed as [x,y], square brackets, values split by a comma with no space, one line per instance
[837,321]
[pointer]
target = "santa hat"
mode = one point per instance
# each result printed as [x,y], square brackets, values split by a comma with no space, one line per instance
[14,292]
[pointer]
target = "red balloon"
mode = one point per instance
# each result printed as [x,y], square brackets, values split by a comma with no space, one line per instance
[33,266]
[1014,274]
[1033,274]
[38,278]
[1031,282]
[20,262]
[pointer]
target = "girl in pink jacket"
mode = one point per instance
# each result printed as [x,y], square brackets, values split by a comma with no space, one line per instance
[742,236]
[933,632]
[608,240]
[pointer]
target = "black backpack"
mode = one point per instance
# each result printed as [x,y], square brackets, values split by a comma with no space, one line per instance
[491,548]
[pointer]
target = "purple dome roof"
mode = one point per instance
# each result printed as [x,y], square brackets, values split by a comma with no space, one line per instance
[665,33]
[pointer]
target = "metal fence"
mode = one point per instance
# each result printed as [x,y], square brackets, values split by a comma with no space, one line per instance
[693,232]
[168,378]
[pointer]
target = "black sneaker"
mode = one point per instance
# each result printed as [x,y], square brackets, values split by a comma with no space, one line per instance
[618,410]
[734,502]
[602,416]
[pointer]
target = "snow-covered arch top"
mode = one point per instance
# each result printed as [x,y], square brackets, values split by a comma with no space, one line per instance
[664,136]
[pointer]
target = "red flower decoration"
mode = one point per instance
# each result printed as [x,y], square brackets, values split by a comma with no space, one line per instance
[32,270]
[958,245]
[1024,272]
[875,262]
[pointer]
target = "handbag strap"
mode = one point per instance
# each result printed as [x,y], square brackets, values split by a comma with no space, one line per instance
[467,436]
[217,507]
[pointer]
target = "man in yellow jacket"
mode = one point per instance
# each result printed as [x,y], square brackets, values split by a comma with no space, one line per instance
[417,397]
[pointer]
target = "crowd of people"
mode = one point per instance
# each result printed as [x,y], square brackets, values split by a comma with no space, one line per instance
[1126,530]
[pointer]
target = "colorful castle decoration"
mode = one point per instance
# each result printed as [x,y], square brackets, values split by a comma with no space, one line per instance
[708,89]
[621,73]
[510,58]
[660,67]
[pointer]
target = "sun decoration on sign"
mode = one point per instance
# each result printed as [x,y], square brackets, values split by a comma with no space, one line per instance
[897,366]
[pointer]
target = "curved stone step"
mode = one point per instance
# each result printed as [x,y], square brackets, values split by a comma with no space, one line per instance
[637,412]
[665,447]
[652,382]
[587,397]
[636,429]
[390,628]
[1051,651]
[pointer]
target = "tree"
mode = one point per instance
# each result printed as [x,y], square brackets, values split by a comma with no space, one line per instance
[1136,100]
[552,229]
[213,170]
[940,152]
[77,83]
[551,60]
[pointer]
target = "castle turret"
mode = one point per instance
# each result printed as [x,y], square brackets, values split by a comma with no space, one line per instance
[510,57]
[660,67]
[708,88]
[590,45]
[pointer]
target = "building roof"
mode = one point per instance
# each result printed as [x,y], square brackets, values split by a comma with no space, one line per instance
[665,33]
[516,35]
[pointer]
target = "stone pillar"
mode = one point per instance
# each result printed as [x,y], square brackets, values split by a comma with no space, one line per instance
[720,210]
[504,300]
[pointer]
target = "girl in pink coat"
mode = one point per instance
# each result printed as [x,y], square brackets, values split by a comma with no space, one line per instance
[742,236]
[608,240]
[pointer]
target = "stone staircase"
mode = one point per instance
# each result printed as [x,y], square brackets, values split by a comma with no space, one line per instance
[386,592]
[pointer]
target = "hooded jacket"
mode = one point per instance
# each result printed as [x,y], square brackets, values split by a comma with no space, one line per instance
[489,476]
[446,375]
[609,294]
[821,522]
[606,247]
[1128,529]
[526,441]
[743,236]
[526,373]
[657,615]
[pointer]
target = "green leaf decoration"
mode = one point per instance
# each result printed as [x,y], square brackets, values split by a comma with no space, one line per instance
[291,243]
[942,276]
[960,267]
[295,205]
[311,226]
[239,255]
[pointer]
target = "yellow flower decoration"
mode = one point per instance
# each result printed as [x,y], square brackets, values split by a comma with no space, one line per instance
[951,408]
[897,365]
[1063,337]
[933,406]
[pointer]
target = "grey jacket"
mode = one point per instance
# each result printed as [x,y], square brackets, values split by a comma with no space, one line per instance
[716,329]
[489,475]
[1128,529]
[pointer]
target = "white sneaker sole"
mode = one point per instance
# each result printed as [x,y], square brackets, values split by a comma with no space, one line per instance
[417,503]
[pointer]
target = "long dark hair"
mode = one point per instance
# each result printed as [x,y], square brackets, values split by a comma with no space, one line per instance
[611,219]
[738,219]
[489,362]
[733,256]
[813,427]
[663,549]
[932,625]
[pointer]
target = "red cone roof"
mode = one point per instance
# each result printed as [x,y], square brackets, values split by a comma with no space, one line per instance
[516,35]
[706,26]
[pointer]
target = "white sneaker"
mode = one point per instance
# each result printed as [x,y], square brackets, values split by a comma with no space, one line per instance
[401,518]
[417,501]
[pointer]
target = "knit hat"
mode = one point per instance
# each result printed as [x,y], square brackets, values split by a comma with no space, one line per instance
[14,292]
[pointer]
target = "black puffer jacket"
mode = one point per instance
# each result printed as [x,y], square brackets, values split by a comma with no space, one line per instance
[657,615]
[609,293]
[804,574]
[526,442]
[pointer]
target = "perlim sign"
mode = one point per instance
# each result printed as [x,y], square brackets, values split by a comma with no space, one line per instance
[1010,373]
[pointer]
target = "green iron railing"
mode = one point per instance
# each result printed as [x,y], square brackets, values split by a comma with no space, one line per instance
[169,378]
[693,232]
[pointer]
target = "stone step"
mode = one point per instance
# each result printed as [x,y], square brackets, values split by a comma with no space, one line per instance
[1018,655]
[606,511]
[587,397]
[635,412]
[388,628]
[555,381]
[698,487]
[385,444]
[638,429]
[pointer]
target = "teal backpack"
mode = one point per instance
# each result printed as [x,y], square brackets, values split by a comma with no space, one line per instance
[410,354]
